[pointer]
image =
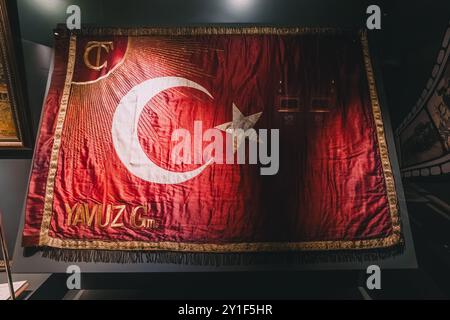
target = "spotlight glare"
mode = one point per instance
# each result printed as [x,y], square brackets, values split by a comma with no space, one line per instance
[49,6]
[240,6]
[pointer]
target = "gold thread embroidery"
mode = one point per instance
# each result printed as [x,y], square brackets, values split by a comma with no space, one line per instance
[391,240]
[49,188]
[110,71]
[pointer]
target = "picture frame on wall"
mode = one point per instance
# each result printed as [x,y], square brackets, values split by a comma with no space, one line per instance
[15,137]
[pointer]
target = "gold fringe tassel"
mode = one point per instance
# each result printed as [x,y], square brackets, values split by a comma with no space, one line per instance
[218,259]
[195,30]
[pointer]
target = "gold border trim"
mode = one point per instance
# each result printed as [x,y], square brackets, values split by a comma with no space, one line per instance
[391,240]
[382,143]
[44,238]
[228,247]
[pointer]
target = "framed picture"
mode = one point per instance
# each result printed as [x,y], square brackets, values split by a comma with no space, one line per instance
[14,131]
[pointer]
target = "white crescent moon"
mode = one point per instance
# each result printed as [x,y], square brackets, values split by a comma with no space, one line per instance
[125,131]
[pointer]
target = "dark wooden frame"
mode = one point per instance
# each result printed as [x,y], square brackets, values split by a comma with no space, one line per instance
[9,55]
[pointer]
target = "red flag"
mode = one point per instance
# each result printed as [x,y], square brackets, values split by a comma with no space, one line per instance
[104,174]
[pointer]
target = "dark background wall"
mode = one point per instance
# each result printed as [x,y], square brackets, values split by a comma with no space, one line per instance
[407,45]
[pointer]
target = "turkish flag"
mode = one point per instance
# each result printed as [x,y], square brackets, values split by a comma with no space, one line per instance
[104,175]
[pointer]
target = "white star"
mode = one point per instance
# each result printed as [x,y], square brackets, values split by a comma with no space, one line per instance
[240,122]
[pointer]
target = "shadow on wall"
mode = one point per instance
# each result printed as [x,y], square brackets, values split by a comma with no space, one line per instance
[14,172]
[13,184]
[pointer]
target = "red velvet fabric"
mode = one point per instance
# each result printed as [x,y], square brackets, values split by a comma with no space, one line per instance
[330,184]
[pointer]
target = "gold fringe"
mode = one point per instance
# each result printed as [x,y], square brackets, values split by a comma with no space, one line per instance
[195,30]
[219,259]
